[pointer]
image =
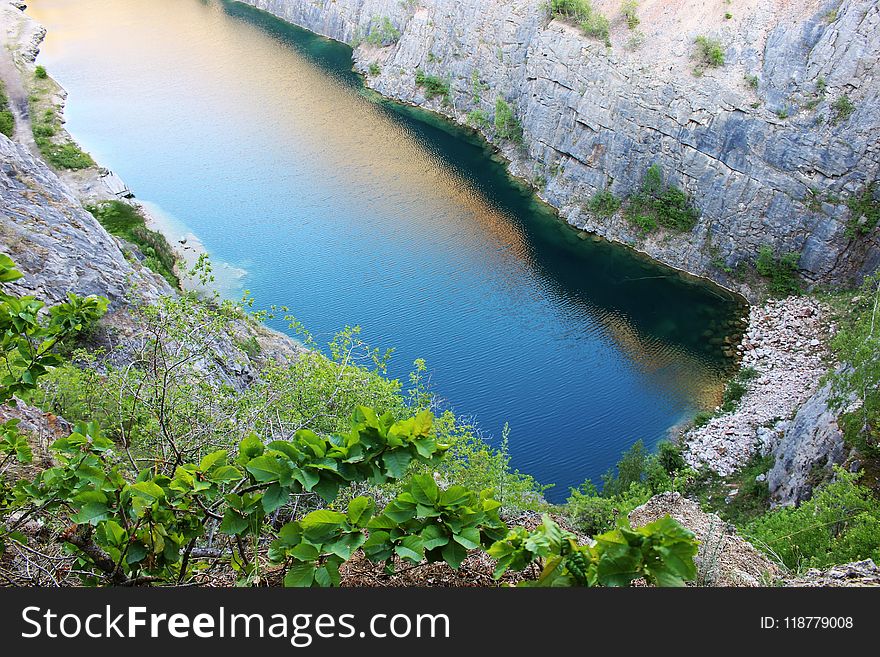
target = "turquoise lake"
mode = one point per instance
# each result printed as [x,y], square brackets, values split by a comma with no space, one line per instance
[257,137]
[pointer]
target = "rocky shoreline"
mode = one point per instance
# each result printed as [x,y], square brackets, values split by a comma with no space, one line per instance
[785,352]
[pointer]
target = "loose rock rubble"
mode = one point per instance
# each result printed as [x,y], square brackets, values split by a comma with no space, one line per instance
[724,559]
[785,343]
[859,573]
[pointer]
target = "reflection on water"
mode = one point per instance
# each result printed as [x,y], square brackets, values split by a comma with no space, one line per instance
[257,137]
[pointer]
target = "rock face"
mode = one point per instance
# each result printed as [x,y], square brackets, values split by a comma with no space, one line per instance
[812,444]
[767,159]
[724,559]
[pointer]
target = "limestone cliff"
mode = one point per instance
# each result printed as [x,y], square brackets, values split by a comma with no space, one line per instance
[757,143]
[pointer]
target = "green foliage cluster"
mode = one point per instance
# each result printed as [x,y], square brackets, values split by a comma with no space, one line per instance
[857,343]
[864,211]
[506,124]
[839,524]
[581,12]
[637,477]
[65,155]
[662,552]
[137,512]
[781,272]
[434,87]
[709,51]
[659,204]
[382,32]
[841,109]
[40,72]
[126,221]
[30,334]
[629,9]
[604,203]
[7,120]
[374,69]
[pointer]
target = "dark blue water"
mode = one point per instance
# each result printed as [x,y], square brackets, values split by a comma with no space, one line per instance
[257,137]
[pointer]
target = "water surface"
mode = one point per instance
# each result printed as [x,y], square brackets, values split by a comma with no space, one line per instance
[257,137]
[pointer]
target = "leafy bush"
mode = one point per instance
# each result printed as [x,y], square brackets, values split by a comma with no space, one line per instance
[841,109]
[382,32]
[40,73]
[31,334]
[434,87]
[662,552]
[478,118]
[658,204]
[637,477]
[126,221]
[64,155]
[709,51]
[7,120]
[374,69]
[506,124]
[864,211]
[857,343]
[781,271]
[839,524]
[604,203]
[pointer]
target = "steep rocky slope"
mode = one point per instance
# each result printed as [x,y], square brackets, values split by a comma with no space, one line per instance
[767,161]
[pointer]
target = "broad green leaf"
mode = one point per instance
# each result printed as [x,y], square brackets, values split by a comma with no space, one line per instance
[469,538]
[396,462]
[301,574]
[233,522]
[213,459]
[274,498]
[411,548]
[424,490]
[320,525]
[250,447]
[453,554]
[360,509]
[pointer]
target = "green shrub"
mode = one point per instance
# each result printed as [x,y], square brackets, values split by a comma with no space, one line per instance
[127,222]
[781,272]
[658,204]
[7,123]
[709,51]
[506,124]
[40,73]
[7,119]
[604,203]
[841,109]
[434,87]
[478,118]
[839,524]
[629,9]
[374,69]
[66,155]
[637,477]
